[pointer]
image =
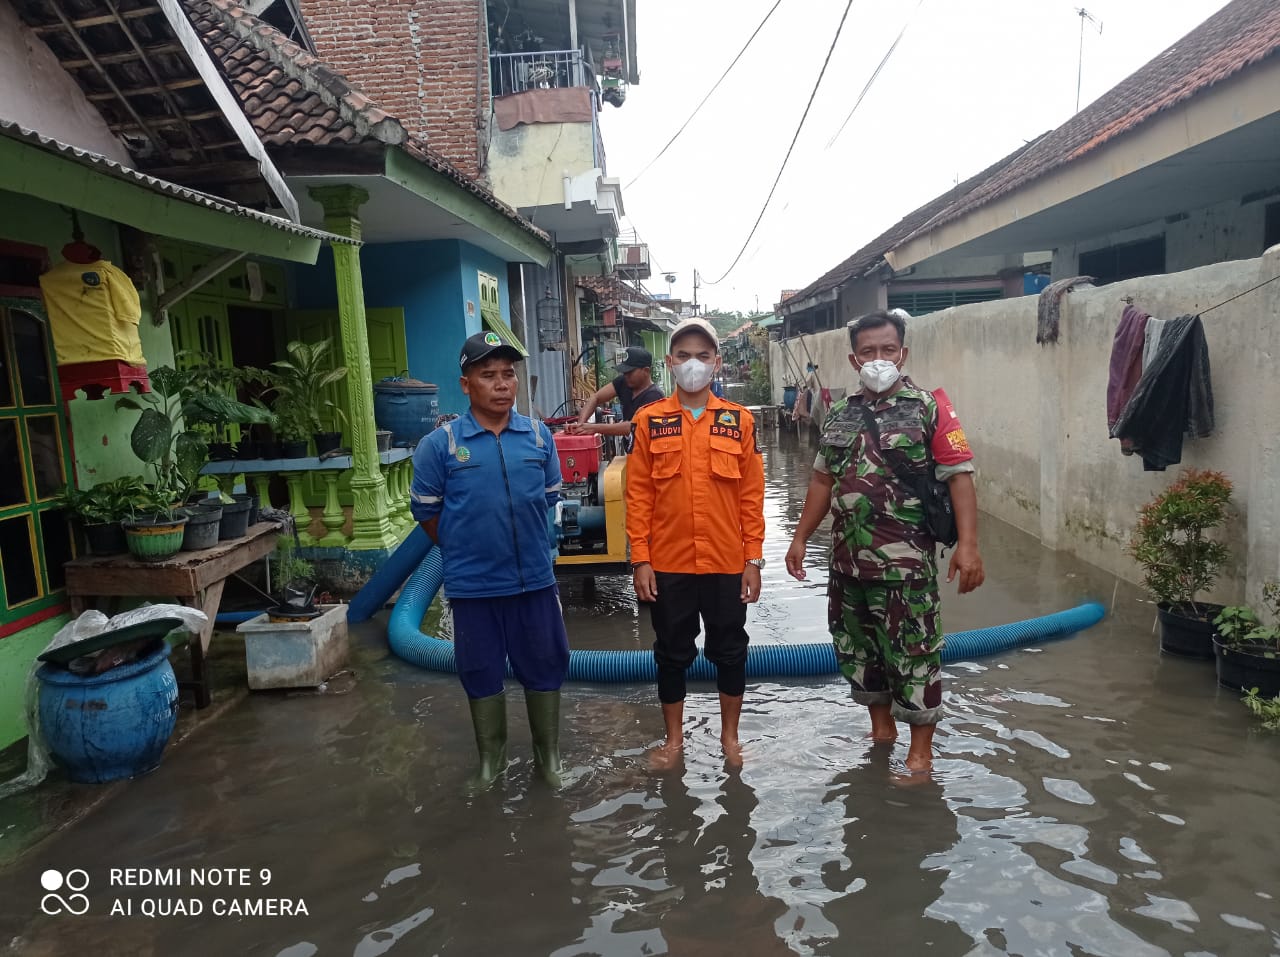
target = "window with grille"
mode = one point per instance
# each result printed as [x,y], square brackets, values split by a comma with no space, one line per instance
[925,301]
[35,539]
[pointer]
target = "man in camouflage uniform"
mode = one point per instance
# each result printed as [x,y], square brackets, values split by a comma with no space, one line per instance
[883,595]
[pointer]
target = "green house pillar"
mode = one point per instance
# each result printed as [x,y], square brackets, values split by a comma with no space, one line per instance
[371,525]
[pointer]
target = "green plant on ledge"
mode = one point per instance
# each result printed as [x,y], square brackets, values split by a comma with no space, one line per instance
[170,434]
[105,502]
[1178,560]
[300,384]
[1240,627]
[286,566]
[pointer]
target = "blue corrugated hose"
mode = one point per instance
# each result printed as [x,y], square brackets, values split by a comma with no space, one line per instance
[404,634]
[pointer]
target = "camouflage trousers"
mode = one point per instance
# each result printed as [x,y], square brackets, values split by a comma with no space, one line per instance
[888,643]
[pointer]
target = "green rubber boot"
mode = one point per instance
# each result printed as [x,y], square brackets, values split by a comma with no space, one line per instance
[489,716]
[544,722]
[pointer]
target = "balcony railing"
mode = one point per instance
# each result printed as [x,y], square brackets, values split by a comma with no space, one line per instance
[545,70]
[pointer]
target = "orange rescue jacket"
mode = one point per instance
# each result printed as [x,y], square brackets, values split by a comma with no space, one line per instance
[695,489]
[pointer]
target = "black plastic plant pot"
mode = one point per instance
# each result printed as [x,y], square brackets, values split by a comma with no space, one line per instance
[269,448]
[327,441]
[1243,668]
[203,524]
[255,506]
[220,451]
[247,451]
[106,538]
[235,520]
[293,450]
[286,613]
[1185,633]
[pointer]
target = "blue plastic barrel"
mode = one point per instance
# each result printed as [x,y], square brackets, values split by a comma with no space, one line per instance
[405,407]
[788,397]
[109,726]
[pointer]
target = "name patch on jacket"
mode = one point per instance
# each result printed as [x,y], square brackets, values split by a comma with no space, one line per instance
[663,425]
[727,423]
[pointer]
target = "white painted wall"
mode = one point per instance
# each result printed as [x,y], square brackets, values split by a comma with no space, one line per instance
[36,92]
[1036,415]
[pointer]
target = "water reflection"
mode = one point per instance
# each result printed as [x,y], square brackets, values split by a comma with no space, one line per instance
[1089,797]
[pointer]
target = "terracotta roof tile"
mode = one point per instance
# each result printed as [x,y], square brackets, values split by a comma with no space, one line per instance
[293,98]
[871,255]
[283,89]
[1242,33]
[1239,35]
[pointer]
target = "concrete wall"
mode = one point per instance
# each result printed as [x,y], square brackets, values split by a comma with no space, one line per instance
[1211,234]
[36,92]
[1036,415]
[528,162]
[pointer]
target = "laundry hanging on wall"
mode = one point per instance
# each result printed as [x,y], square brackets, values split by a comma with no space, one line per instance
[1173,396]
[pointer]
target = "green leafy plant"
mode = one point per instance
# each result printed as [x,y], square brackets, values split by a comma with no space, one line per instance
[105,502]
[1267,710]
[287,567]
[1239,626]
[1170,543]
[300,384]
[170,435]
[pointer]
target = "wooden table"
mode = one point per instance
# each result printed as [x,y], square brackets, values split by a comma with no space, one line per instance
[195,579]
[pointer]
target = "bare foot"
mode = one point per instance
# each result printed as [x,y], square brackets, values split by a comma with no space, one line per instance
[882,737]
[732,752]
[666,755]
[919,763]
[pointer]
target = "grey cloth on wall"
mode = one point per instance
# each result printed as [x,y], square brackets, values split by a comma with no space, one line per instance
[1155,329]
[1049,306]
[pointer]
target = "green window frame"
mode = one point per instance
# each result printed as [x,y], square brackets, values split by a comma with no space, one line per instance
[924,301]
[35,536]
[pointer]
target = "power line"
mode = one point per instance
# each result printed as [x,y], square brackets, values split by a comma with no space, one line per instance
[875,73]
[757,30]
[812,95]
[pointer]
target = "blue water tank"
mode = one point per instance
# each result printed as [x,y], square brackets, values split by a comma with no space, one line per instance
[788,397]
[1033,283]
[407,408]
[112,725]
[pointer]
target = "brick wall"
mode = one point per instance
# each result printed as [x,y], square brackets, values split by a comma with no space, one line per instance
[423,61]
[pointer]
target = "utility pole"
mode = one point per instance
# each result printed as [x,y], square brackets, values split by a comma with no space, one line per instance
[695,292]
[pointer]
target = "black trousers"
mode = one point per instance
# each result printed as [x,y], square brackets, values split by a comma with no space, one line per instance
[683,599]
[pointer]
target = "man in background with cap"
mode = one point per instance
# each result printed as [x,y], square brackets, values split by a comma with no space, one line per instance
[633,387]
[482,485]
[695,519]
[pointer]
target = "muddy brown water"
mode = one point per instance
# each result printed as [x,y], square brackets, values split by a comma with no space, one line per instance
[1089,797]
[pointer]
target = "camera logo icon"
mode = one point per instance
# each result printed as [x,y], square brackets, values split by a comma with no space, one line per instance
[74,881]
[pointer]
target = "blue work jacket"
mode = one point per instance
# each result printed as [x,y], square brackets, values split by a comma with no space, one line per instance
[491,493]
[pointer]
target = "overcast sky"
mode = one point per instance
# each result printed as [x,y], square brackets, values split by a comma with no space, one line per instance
[968,83]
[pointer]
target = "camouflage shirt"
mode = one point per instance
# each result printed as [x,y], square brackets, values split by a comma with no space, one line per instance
[878,532]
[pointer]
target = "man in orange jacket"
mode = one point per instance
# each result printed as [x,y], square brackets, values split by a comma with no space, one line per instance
[695,519]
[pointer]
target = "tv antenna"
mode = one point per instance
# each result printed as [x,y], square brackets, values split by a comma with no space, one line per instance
[1084,15]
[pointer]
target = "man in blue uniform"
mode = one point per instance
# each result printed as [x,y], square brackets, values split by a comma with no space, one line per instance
[482,485]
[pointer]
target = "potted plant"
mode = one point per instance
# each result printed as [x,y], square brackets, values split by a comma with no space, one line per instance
[301,383]
[170,437]
[155,531]
[101,509]
[297,643]
[1179,560]
[1248,651]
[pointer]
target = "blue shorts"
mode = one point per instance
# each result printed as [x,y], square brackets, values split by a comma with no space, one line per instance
[527,630]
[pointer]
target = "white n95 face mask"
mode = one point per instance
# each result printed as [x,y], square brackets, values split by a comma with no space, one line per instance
[879,375]
[693,375]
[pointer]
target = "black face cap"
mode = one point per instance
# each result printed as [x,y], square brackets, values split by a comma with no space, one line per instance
[635,358]
[486,345]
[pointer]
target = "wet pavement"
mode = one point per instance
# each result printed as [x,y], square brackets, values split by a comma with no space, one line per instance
[1089,797]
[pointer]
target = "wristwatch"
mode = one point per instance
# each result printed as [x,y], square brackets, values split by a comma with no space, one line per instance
[758,562]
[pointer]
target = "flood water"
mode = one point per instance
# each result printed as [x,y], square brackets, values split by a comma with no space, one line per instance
[1089,797]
